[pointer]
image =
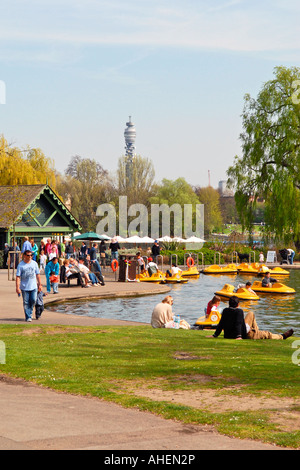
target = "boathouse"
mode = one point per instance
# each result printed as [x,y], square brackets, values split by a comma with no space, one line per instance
[35,211]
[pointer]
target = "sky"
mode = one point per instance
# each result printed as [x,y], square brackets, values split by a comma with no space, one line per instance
[72,72]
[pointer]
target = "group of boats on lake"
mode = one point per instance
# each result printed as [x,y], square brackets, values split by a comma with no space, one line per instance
[248,269]
[243,293]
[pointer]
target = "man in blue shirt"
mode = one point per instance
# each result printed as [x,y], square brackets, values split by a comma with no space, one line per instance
[28,282]
[26,245]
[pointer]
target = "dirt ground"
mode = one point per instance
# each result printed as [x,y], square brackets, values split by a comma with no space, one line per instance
[282,411]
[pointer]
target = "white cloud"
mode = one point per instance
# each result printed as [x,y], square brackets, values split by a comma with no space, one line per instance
[229,25]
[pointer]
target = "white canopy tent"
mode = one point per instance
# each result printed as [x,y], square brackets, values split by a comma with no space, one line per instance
[147,240]
[133,239]
[194,240]
[165,239]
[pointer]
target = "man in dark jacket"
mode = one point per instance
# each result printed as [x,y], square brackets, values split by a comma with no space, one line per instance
[268,280]
[155,251]
[232,321]
[236,327]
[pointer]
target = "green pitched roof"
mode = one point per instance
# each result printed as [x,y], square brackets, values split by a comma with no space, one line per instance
[16,200]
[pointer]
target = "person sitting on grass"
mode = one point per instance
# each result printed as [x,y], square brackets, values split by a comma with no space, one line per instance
[235,326]
[162,313]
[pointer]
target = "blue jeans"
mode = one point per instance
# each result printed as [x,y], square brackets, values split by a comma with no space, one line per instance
[291,258]
[29,300]
[114,255]
[48,282]
[55,287]
[93,278]
[97,265]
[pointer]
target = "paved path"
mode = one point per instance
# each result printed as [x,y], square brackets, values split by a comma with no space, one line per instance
[36,418]
[11,309]
[32,417]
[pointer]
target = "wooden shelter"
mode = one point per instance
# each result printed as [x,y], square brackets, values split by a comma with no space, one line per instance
[35,211]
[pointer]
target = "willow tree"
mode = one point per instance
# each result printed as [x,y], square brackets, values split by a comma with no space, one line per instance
[29,166]
[269,167]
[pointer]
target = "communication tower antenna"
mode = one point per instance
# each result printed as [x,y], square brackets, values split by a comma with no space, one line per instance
[130,136]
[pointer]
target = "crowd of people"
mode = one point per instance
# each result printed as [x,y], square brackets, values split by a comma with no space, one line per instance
[45,251]
[59,262]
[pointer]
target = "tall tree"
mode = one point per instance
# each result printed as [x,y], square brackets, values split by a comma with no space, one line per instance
[212,212]
[84,187]
[270,165]
[174,195]
[142,185]
[29,166]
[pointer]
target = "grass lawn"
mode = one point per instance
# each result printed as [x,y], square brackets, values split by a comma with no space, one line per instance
[245,389]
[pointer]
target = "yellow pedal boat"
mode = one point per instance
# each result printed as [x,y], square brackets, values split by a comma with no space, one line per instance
[216,269]
[176,279]
[190,272]
[210,322]
[253,268]
[274,272]
[156,278]
[242,293]
[277,288]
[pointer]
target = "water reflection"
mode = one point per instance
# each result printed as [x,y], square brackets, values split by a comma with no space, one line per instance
[274,312]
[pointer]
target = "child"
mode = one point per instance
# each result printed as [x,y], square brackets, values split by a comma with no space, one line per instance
[52,269]
[53,253]
[213,304]
[54,280]
[43,260]
[261,257]
[39,306]
[141,262]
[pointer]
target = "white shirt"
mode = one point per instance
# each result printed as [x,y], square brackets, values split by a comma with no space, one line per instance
[175,270]
[43,259]
[83,268]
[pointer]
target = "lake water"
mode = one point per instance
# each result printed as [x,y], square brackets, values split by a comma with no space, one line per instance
[276,313]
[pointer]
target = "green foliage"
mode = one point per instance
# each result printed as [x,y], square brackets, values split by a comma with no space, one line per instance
[29,166]
[142,186]
[85,185]
[175,192]
[212,212]
[270,165]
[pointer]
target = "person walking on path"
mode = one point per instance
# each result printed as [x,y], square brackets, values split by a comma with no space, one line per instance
[95,266]
[52,268]
[26,245]
[28,283]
